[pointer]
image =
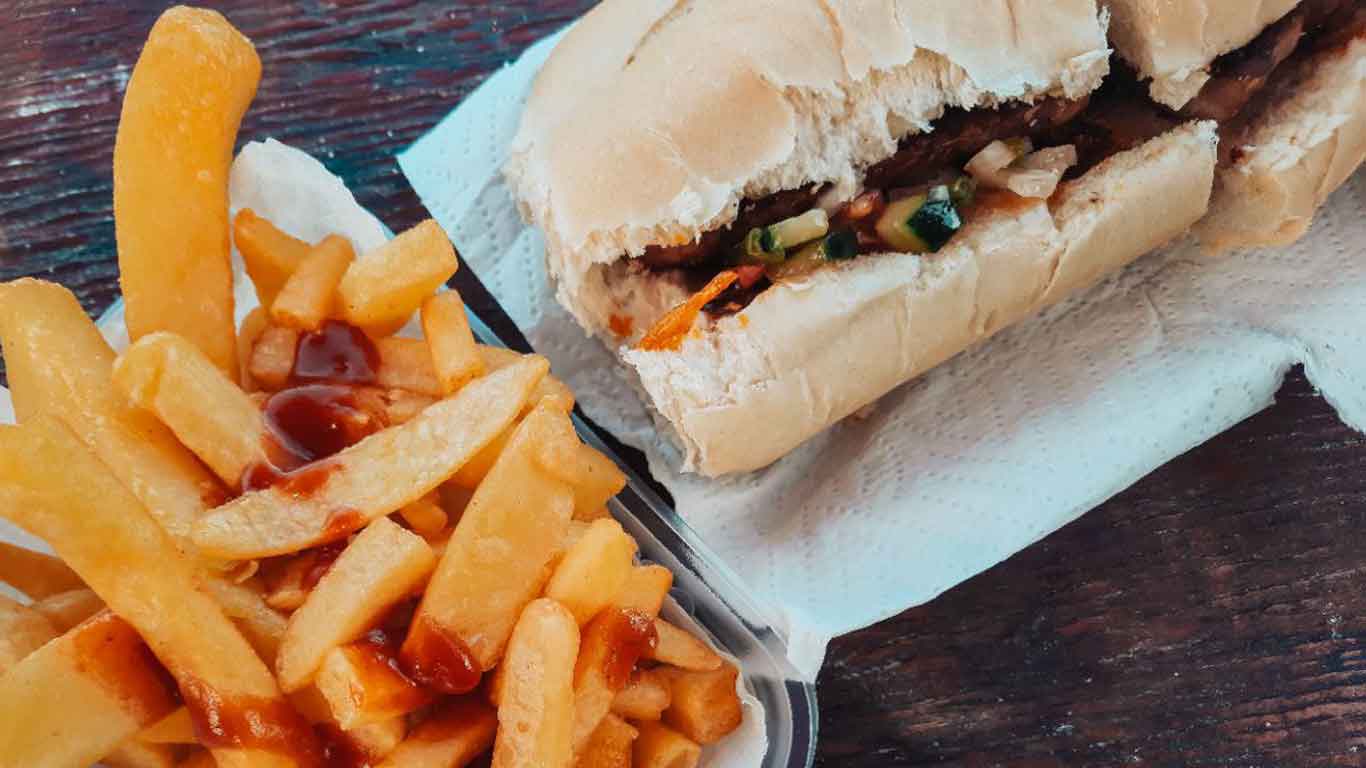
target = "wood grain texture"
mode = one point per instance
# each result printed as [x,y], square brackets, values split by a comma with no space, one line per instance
[1211,615]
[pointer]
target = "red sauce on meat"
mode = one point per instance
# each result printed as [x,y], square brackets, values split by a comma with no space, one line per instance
[629,634]
[113,653]
[439,659]
[250,722]
[336,353]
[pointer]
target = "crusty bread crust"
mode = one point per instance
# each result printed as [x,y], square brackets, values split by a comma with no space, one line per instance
[808,353]
[652,119]
[1173,42]
[1296,154]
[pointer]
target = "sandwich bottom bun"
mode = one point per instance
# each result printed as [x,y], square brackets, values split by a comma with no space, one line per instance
[1293,155]
[810,352]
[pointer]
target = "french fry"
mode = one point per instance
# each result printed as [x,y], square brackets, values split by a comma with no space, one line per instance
[270,254]
[659,746]
[407,364]
[175,728]
[383,288]
[253,325]
[612,644]
[35,574]
[680,649]
[645,697]
[383,565]
[71,500]
[139,754]
[309,294]
[77,698]
[262,626]
[167,375]
[495,562]
[425,516]
[457,732]
[374,742]
[551,391]
[477,468]
[610,746]
[392,406]
[704,706]
[272,359]
[362,686]
[372,478]
[60,365]
[593,570]
[536,713]
[286,589]
[447,330]
[201,758]
[65,610]
[595,478]
[186,95]
[645,589]
[22,631]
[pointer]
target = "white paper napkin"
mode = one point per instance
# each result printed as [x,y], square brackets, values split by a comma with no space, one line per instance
[958,470]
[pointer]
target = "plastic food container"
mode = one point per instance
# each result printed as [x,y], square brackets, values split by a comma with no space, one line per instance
[712,595]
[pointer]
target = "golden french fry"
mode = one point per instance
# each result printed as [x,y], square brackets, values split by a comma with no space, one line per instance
[645,589]
[270,255]
[22,631]
[187,93]
[460,730]
[644,698]
[610,746]
[35,574]
[362,686]
[592,514]
[243,603]
[253,325]
[71,500]
[77,698]
[495,562]
[372,478]
[392,406]
[383,288]
[680,649]
[167,375]
[593,570]
[551,391]
[612,644]
[139,754]
[407,364]
[447,330]
[704,706]
[288,587]
[60,365]
[272,359]
[477,468]
[309,294]
[536,712]
[425,516]
[372,743]
[65,610]
[175,728]
[595,478]
[659,746]
[383,565]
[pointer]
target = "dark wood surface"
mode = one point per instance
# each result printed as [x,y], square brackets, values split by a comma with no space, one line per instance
[1210,615]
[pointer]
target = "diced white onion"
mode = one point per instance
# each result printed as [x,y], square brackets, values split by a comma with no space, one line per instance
[1035,174]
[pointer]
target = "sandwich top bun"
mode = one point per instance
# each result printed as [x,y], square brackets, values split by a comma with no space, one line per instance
[652,119]
[1173,42]
[1296,153]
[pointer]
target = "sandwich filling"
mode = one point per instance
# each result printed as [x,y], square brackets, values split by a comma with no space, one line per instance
[974,160]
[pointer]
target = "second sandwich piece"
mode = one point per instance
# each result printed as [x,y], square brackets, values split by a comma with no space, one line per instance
[778,211]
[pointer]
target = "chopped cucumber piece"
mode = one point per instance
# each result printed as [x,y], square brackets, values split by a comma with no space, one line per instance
[893,227]
[836,246]
[920,223]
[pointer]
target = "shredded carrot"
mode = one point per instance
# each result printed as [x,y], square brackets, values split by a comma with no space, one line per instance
[669,332]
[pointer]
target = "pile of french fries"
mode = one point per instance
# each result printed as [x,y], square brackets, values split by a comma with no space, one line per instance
[307,541]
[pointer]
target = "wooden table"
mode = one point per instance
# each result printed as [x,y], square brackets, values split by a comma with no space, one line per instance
[1210,615]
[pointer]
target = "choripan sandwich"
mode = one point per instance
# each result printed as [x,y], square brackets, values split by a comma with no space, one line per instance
[778,210]
[1286,81]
